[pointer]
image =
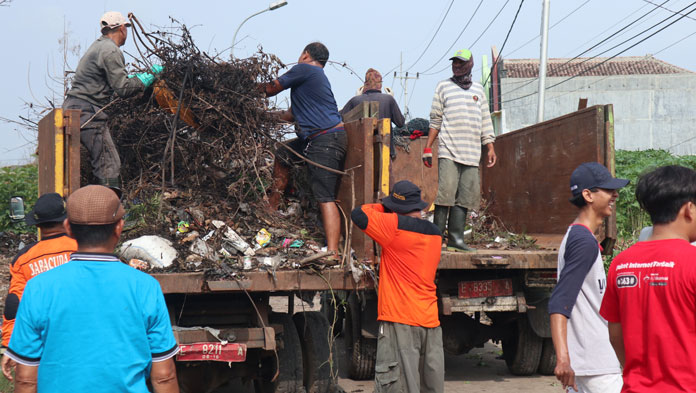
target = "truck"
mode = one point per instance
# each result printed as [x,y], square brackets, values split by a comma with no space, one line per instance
[227,328]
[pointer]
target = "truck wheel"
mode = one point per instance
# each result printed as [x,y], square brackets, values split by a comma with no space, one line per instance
[522,349]
[318,352]
[332,311]
[289,359]
[361,352]
[548,358]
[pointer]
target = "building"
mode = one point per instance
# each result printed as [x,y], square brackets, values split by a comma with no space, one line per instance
[654,101]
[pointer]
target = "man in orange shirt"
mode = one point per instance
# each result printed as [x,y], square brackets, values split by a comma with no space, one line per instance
[53,250]
[410,357]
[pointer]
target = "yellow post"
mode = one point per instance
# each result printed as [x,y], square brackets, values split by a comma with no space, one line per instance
[59,151]
[386,159]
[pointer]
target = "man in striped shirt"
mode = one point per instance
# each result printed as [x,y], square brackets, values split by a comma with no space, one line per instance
[459,116]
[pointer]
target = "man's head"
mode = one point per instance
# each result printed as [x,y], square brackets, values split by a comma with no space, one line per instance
[373,80]
[592,184]
[115,26]
[668,193]
[462,63]
[48,212]
[95,218]
[405,199]
[316,51]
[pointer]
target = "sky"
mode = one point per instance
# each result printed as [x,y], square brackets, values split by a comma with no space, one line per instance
[359,34]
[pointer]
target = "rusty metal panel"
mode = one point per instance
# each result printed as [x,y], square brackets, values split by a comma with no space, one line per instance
[181,282]
[529,187]
[47,153]
[289,280]
[409,166]
[252,337]
[359,155]
[485,304]
[499,259]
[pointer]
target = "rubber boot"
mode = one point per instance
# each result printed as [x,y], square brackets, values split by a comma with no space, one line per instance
[455,229]
[440,218]
[114,183]
[281,176]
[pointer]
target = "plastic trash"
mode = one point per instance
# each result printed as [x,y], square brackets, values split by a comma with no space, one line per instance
[287,242]
[157,251]
[182,226]
[237,242]
[297,244]
[139,264]
[263,237]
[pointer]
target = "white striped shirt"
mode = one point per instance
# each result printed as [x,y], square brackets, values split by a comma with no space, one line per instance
[464,122]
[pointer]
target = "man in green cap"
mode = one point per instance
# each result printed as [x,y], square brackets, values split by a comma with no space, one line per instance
[459,116]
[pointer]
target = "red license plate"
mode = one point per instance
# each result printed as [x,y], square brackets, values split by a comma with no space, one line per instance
[212,351]
[485,288]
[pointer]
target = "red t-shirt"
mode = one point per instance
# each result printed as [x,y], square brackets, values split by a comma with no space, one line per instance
[651,291]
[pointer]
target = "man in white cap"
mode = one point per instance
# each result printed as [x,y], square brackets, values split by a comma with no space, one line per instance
[460,117]
[100,73]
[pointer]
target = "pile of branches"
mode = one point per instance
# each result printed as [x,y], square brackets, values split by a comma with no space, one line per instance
[213,132]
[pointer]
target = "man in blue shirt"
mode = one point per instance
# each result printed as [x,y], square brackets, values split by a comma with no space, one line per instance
[321,137]
[94,324]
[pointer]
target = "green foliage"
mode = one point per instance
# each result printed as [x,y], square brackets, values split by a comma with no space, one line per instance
[17,181]
[630,218]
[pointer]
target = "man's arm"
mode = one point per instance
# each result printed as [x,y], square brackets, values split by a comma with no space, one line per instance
[396,116]
[492,158]
[377,224]
[559,334]
[616,339]
[25,378]
[272,88]
[116,76]
[163,377]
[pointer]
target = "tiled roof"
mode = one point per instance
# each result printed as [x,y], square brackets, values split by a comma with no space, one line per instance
[634,65]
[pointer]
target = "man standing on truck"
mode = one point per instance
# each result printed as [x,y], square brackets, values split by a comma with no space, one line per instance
[651,291]
[100,73]
[94,322]
[321,137]
[53,250]
[585,360]
[460,117]
[410,356]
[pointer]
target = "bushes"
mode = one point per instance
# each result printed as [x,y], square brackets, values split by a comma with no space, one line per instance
[17,181]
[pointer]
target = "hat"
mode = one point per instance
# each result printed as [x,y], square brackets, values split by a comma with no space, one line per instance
[373,80]
[113,19]
[462,54]
[404,198]
[48,208]
[593,175]
[94,205]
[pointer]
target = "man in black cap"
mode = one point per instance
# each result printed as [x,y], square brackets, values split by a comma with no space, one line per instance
[53,250]
[410,357]
[585,358]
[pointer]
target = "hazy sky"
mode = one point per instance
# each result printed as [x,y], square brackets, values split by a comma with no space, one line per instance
[360,33]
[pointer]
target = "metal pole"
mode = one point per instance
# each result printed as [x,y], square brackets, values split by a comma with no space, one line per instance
[543,57]
[234,37]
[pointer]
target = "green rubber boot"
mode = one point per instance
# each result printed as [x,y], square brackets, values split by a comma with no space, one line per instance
[440,218]
[113,183]
[455,230]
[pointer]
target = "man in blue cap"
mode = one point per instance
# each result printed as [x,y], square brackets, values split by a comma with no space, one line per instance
[459,116]
[585,358]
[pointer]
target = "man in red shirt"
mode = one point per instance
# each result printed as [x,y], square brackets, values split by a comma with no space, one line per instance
[650,301]
[53,250]
[410,357]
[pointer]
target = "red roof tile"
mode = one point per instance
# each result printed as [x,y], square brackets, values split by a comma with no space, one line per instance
[634,65]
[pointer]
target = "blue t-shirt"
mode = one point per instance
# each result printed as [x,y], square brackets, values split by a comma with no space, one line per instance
[94,324]
[312,101]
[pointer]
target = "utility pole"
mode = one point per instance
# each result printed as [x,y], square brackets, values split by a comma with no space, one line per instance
[404,83]
[543,57]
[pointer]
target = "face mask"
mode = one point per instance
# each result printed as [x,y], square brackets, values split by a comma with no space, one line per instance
[461,71]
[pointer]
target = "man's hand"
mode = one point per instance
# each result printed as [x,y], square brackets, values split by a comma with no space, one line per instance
[8,366]
[428,157]
[492,158]
[565,374]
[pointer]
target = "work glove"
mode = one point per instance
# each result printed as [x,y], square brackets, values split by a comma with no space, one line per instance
[148,78]
[428,157]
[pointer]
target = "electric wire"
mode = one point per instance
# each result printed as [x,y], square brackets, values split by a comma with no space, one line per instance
[665,8]
[505,41]
[433,37]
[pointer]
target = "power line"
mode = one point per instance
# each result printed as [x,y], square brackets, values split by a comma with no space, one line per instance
[505,41]
[665,8]
[433,37]
[459,36]
[610,58]
[674,43]
[562,66]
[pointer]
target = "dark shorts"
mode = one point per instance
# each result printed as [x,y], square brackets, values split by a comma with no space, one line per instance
[328,150]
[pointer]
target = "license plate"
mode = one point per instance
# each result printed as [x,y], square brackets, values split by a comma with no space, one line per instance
[485,288]
[212,351]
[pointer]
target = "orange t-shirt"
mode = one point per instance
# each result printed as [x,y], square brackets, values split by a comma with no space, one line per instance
[32,260]
[410,256]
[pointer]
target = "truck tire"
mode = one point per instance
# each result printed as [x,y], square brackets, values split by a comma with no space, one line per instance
[332,311]
[522,349]
[361,352]
[289,359]
[318,352]
[548,358]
